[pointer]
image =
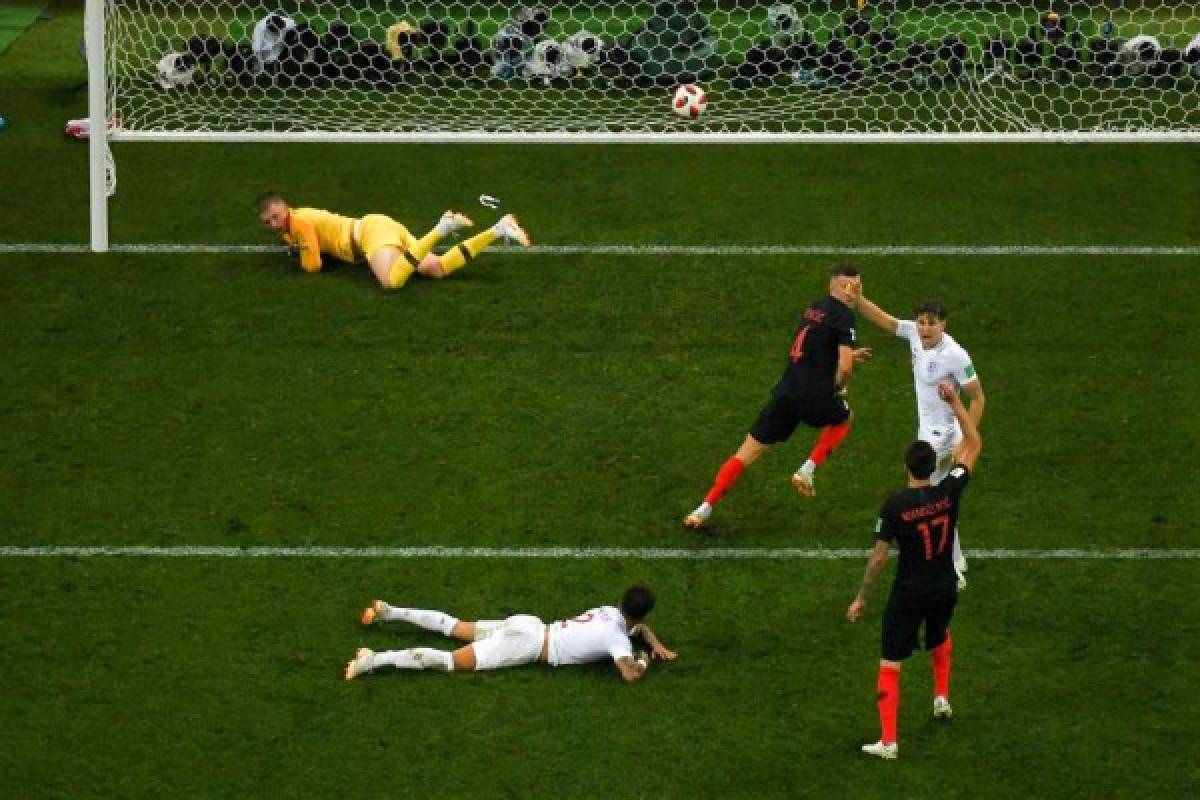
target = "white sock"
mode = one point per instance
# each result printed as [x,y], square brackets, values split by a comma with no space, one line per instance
[444,226]
[705,508]
[486,627]
[415,658]
[809,468]
[434,621]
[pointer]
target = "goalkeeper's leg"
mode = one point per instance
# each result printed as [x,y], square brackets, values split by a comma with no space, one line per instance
[395,263]
[457,257]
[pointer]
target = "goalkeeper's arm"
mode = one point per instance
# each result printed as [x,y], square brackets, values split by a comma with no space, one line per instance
[303,241]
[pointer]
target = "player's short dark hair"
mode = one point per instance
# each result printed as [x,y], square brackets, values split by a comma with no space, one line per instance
[933,308]
[267,199]
[920,459]
[845,270]
[637,602]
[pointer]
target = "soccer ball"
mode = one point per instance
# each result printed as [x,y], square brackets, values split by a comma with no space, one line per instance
[175,70]
[1137,54]
[783,23]
[690,101]
[582,49]
[548,61]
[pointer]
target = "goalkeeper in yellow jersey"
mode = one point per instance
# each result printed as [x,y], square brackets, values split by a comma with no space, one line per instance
[389,249]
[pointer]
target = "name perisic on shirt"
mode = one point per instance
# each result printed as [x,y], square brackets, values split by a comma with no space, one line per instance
[927,510]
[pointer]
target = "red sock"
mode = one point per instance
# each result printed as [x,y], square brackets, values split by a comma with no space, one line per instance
[727,476]
[888,702]
[940,656]
[831,436]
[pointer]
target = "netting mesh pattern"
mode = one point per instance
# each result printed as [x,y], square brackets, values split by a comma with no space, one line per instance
[374,66]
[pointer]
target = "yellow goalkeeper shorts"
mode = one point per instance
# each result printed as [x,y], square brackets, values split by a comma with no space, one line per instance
[376,231]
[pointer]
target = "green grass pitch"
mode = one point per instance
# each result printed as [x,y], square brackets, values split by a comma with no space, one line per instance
[579,401]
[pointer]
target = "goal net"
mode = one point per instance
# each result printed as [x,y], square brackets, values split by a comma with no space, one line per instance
[469,68]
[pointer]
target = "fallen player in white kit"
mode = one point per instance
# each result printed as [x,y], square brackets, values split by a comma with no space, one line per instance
[595,635]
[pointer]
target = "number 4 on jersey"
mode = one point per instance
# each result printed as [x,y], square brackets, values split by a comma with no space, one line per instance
[798,345]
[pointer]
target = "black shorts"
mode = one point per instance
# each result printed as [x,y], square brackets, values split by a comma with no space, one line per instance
[782,413]
[907,608]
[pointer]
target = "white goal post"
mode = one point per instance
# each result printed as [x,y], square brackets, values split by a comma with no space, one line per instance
[566,71]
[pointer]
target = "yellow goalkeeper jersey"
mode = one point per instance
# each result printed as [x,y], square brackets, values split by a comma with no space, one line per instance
[316,232]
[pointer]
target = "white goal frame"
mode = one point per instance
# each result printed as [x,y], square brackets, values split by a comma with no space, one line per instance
[99,156]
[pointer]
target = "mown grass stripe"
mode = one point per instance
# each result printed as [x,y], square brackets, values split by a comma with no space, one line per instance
[680,249]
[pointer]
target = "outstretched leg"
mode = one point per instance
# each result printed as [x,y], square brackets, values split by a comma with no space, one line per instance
[888,703]
[750,451]
[393,265]
[430,620]
[461,254]
[940,657]
[417,658]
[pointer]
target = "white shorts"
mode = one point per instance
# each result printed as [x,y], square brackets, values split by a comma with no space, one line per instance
[945,440]
[517,641]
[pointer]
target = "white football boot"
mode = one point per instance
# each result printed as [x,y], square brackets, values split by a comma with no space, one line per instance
[453,222]
[372,613]
[362,663]
[697,518]
[887,751]
[510,229]
[941,708]
[804,483]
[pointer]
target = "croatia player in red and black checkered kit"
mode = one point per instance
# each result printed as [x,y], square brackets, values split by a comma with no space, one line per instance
[920,522]
[812,390]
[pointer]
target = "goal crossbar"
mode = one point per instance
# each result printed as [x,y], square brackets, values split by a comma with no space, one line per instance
[577,72]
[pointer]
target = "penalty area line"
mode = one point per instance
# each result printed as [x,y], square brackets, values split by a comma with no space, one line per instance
[578,553]
[677,249]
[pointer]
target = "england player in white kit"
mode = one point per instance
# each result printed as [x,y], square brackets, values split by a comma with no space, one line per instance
[598,634]
[936,357]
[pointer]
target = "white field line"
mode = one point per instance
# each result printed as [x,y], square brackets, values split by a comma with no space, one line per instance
[682,249]
[579,553]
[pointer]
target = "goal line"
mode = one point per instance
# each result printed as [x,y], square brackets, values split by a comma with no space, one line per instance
[580,553]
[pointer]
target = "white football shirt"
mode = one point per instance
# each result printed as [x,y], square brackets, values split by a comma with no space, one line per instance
[594,635]
[948,361]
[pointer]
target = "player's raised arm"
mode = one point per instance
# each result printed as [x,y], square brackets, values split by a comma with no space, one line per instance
[876,315]
[971,443]
[975,400]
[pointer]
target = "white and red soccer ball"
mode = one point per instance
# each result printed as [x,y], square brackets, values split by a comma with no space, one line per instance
[690,101]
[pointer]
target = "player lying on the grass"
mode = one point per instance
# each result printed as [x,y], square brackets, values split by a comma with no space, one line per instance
[920,521]
[812,390]
[595,635]
[936,358]
[387,246]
